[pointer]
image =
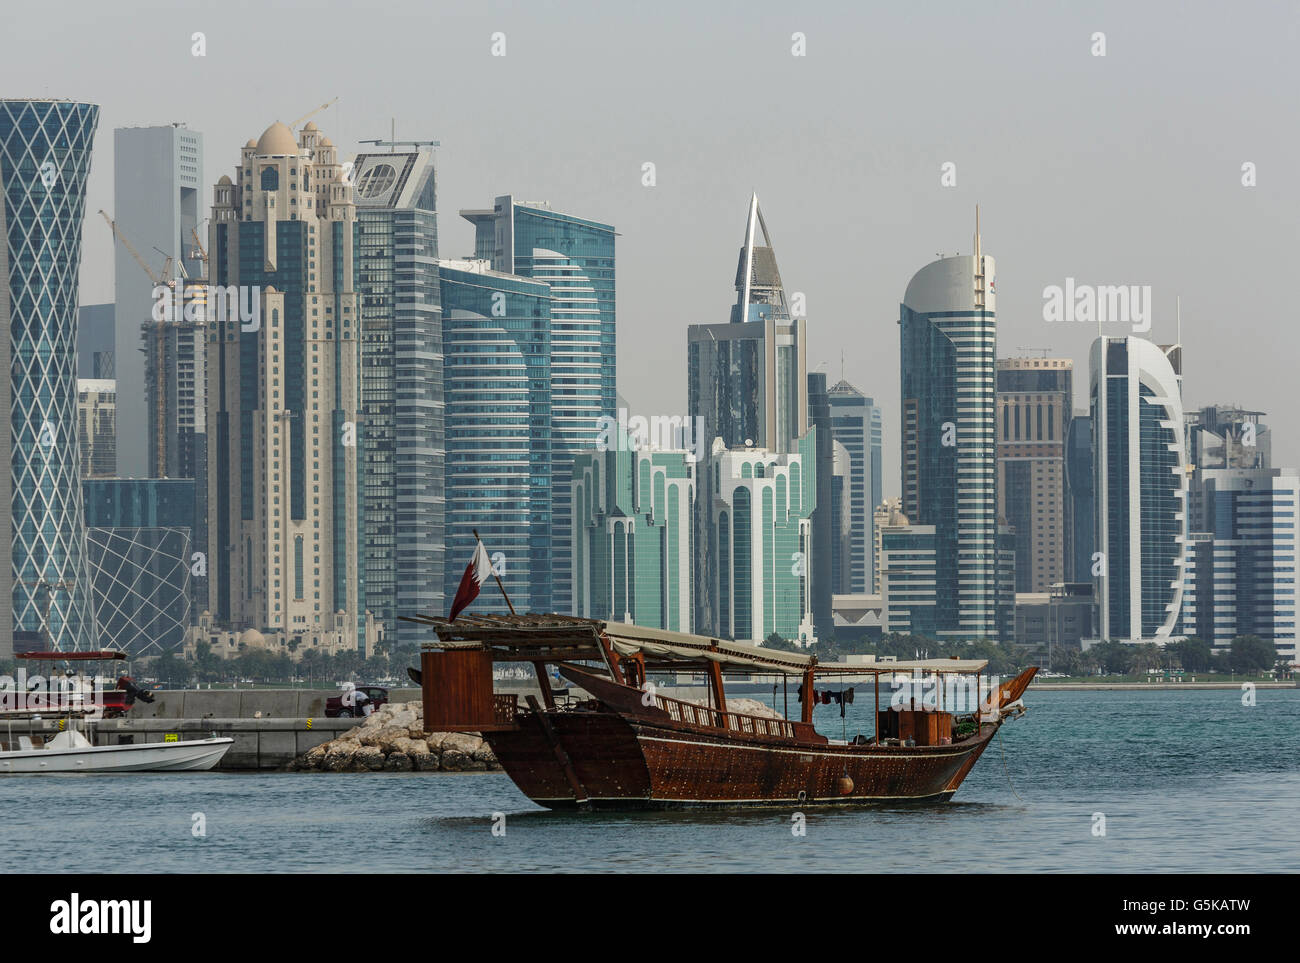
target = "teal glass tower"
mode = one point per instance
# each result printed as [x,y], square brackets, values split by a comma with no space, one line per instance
[45,148]
[633,513]
[497,370]
[575,257]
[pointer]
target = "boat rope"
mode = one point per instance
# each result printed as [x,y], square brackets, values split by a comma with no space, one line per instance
[1004,766]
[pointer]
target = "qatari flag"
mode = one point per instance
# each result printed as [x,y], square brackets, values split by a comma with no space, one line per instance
[476,573]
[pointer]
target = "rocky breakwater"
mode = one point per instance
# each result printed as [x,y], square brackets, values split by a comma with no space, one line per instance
[392,739]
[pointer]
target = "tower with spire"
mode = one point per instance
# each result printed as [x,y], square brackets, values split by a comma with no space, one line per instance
[748,386]
[949,575]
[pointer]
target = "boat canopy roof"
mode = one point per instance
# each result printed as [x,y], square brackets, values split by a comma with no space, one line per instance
[560,638]
[95,655]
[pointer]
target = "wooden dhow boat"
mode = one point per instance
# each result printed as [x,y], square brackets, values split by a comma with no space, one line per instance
[624,746]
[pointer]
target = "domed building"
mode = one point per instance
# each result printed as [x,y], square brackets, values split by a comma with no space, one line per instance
[285,534]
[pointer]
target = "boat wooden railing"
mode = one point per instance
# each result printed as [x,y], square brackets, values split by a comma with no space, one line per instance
[696,715]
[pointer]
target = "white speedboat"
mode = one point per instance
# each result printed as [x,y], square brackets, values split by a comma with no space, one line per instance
[70,751]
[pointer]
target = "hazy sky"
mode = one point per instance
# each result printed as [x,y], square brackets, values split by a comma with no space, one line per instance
[1122,169]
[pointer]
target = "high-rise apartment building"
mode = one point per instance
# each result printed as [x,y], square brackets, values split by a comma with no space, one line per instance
[285,485]
[1035,404]
[575,258]
[1140,472]
[157,199]
[402,387]
[45,149]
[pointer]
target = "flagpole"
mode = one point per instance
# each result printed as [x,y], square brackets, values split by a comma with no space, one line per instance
[495,575]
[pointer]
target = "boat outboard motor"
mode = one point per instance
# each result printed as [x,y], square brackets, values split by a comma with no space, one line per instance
[133,691]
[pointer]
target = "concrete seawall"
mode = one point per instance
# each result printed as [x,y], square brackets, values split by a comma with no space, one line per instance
[245,703]
[271,727]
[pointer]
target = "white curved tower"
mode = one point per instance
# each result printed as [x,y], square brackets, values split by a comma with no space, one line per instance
[1140,470]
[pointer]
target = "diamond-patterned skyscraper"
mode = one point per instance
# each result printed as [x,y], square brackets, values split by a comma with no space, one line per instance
[44,160]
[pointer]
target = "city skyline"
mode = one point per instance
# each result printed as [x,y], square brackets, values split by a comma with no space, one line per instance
[1110,209]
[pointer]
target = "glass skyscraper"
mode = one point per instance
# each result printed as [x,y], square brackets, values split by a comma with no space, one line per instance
[856,423]
[45,148]
[497,377]
[1139,466]
[1079,482]
[575,258]
[949,457]
[401,387]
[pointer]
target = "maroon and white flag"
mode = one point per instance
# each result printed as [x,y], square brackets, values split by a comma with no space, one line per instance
[476,573]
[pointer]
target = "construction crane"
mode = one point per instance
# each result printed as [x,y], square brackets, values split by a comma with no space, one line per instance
[154,335]
[394,142]
[198,253]
[308,116]
[403,143]
[155,278]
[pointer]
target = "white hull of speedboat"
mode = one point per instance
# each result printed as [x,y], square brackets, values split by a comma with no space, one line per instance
[194,755]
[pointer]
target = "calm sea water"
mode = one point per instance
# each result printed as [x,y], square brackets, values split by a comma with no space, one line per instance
[1187,781]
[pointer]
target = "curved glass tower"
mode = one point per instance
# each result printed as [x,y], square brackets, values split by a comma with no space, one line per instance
[44,159]
[1140,486]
